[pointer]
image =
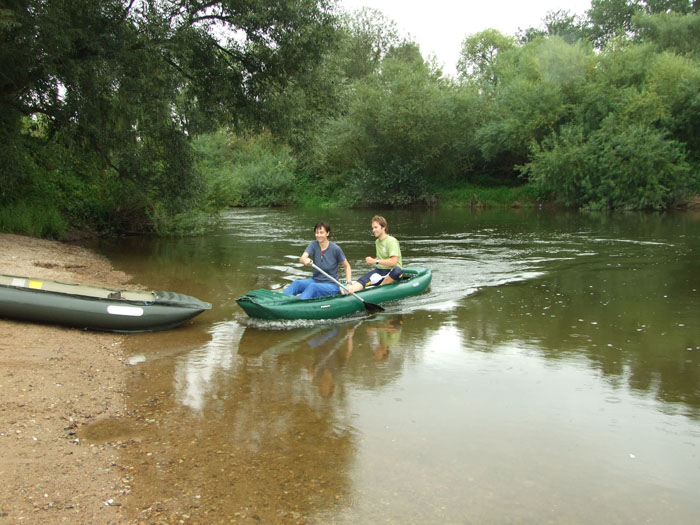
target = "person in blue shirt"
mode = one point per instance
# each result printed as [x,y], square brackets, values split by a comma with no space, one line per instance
[326,255]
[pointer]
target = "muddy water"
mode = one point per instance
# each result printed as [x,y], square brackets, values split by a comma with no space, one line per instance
[550,373]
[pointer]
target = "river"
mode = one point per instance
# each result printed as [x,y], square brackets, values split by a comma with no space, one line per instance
[551,373]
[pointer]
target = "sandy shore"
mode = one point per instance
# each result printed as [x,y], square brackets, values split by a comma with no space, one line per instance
[53,381]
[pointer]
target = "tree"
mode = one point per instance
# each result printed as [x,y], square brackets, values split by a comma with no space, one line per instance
[565,25]
[631,140]
[671,6]
[561,23]
[676,81]
[670,32]
[366,37]
[539,84]
[129,82]
[630,166]
[610,18]
[396,135]
[478,56]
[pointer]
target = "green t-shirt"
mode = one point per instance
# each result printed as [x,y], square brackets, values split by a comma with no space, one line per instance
[388,248]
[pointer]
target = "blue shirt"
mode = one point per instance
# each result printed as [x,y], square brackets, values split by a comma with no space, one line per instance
[328,260]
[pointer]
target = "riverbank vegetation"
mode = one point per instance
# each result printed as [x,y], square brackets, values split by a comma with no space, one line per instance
[147,116]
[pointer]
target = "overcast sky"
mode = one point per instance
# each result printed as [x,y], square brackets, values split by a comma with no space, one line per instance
[439,26]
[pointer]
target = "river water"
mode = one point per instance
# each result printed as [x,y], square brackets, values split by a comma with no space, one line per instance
[551,373]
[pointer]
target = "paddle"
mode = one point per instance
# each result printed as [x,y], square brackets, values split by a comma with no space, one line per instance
[370,307]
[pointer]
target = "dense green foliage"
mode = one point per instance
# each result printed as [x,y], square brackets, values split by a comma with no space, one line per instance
[113,91]
[137,116]
[245,171]
[614,126]
[609,127]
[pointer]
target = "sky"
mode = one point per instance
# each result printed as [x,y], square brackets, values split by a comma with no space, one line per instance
[440,26]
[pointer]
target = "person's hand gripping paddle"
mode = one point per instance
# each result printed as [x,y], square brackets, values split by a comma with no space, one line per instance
[370,307]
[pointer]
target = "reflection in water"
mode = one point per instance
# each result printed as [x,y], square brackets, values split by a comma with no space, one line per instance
[326,348]
[240,441]
[550,373]
[195,371]
[255,424]
[332,350]
[386,335]
[326,359]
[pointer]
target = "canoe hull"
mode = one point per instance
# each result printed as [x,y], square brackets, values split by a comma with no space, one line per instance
[275,306]
[95,308]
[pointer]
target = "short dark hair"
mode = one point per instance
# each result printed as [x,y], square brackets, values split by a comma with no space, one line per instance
[324,225]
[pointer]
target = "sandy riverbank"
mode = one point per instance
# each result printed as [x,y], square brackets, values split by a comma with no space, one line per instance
[54,380]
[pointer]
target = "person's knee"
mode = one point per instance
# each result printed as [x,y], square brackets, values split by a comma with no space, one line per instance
[317,290]
[393,276]
[297,287]
[308,293]
[395,273]
[356,286]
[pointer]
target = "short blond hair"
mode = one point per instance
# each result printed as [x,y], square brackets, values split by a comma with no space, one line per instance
[379,220]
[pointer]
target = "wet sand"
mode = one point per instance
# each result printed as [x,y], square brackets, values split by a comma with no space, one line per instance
[54,381]
[74,448]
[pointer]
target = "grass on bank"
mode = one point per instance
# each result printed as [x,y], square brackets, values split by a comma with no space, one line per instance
[35,220]
[46,221]
[471,196]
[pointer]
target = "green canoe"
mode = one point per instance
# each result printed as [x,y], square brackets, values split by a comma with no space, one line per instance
[274,306]
[94,307]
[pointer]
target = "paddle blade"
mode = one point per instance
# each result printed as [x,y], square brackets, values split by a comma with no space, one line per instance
[371,307]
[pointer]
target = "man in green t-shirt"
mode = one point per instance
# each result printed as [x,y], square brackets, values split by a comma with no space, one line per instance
[387,262]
